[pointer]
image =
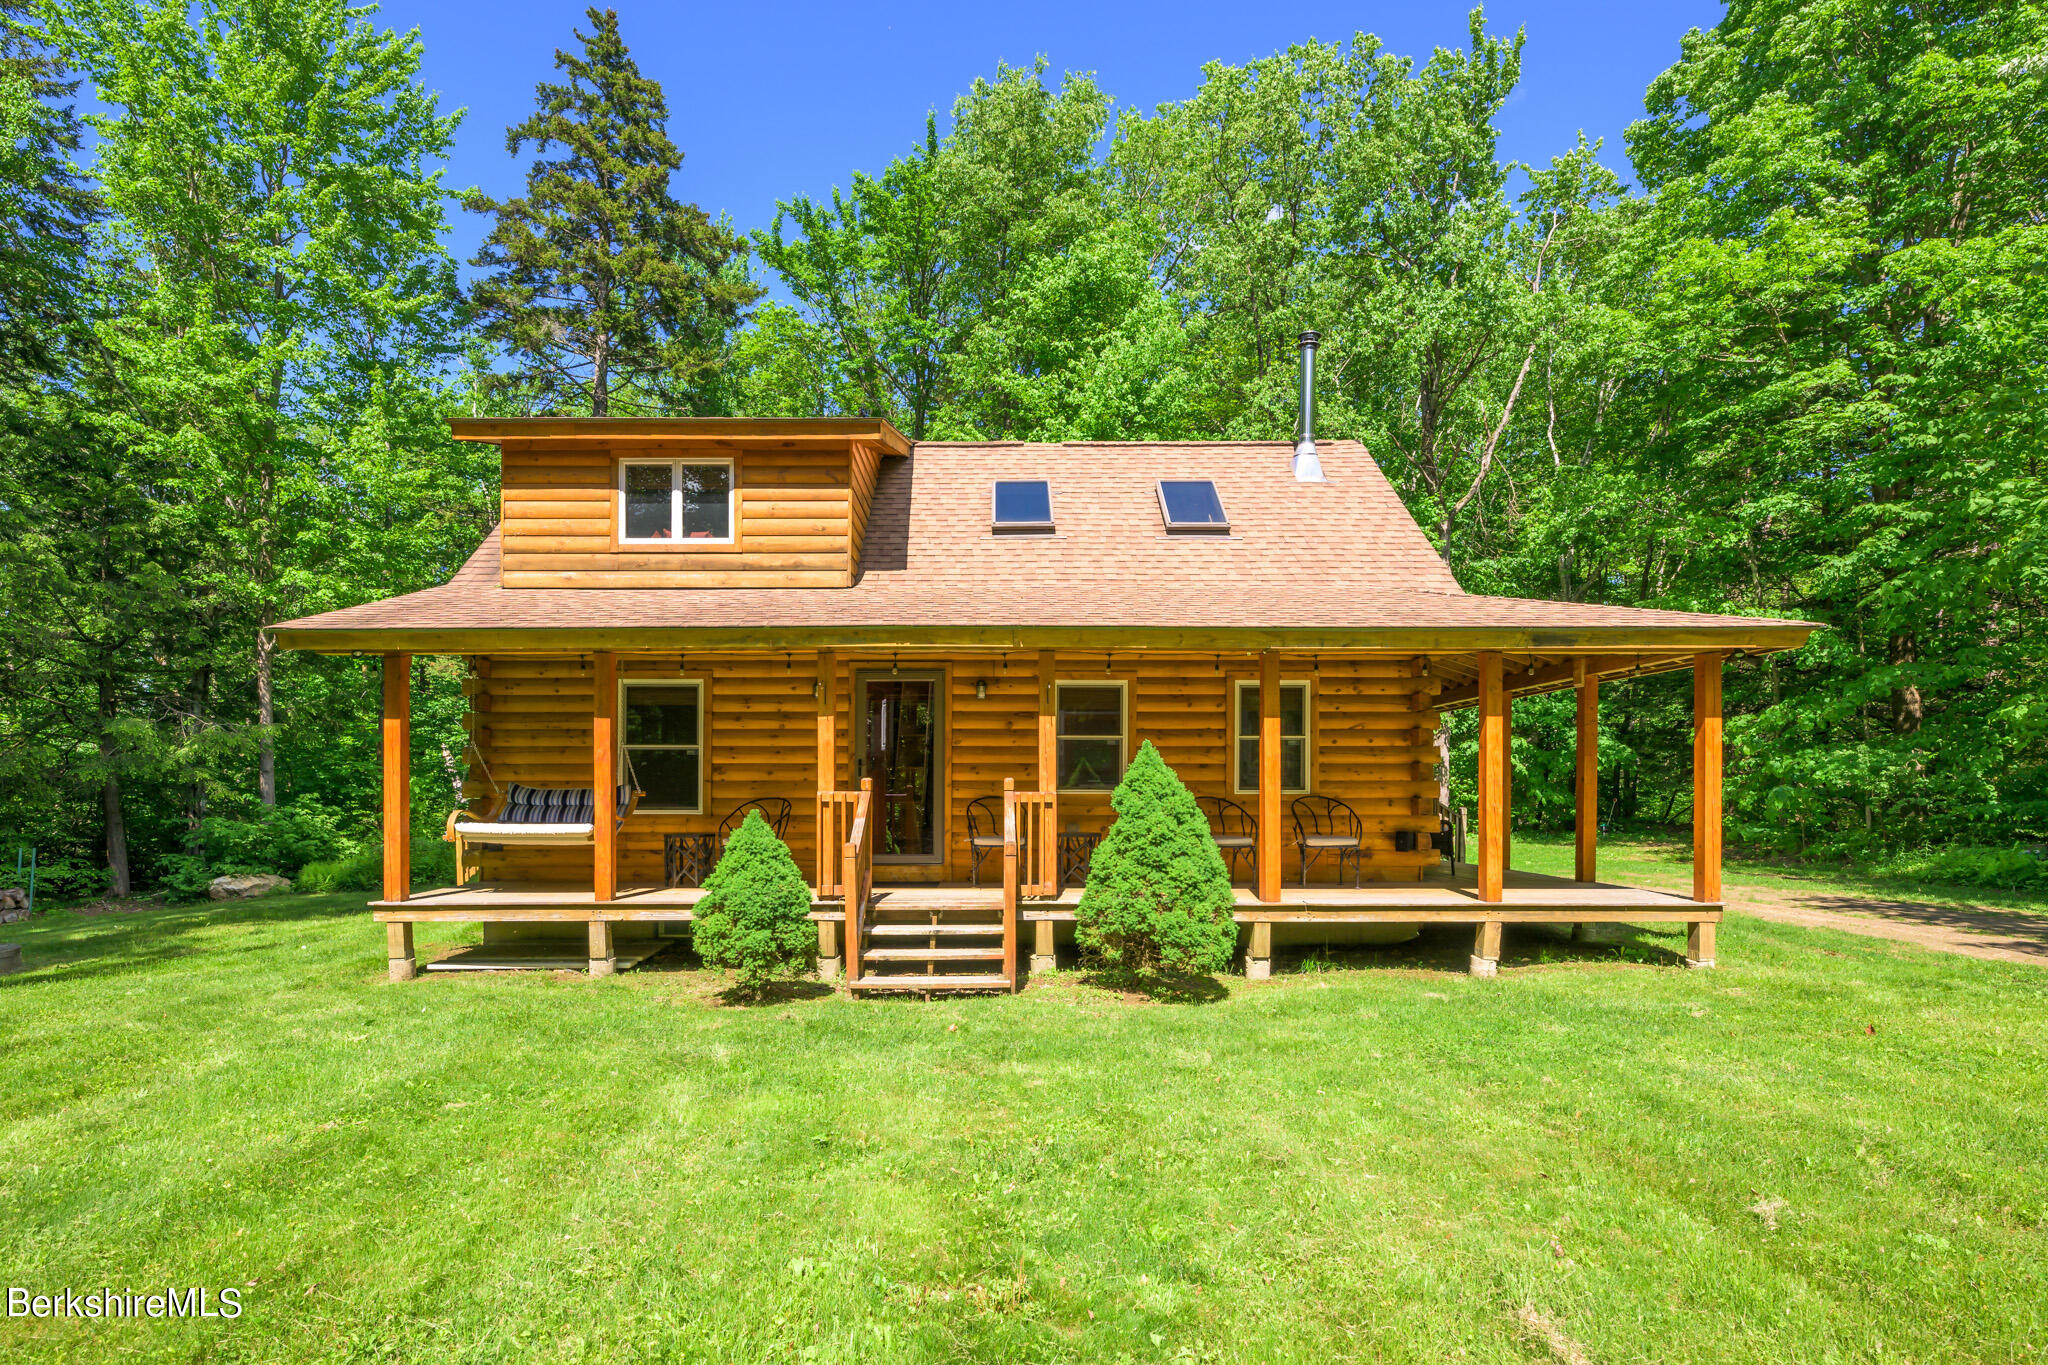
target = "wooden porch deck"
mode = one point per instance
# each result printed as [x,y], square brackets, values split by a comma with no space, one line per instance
[1444,897]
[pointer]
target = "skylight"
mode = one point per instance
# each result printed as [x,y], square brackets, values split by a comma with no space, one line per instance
[1191,505]
[1023,505]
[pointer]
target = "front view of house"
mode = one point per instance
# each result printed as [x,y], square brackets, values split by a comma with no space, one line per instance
[928,665]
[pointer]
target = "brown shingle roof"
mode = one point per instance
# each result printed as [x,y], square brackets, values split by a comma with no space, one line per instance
[1341,560]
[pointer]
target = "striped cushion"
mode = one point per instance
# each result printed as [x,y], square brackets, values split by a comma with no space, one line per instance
[555,805]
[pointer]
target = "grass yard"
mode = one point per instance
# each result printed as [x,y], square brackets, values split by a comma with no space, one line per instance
[1830,1149]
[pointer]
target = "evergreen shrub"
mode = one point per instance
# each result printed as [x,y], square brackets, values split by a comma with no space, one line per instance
[1158,897]
[755,917]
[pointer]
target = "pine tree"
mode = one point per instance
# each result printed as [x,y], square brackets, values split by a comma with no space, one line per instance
[604,288]
[755,917]
[1158,897]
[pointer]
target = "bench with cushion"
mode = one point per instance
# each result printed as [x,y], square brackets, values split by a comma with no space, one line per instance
[528,817]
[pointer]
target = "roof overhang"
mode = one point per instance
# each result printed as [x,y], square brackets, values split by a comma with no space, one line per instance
[1619,649]
[744,432]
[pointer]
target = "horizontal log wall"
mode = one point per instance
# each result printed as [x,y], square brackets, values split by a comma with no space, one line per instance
[796,509]
[1371,743]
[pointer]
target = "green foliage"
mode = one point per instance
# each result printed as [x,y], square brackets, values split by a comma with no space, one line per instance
[604,288]
[2008,869]
[1158,897]
[433,864]
[754,919]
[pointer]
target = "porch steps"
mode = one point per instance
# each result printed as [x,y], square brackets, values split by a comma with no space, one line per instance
[933,955]
[930,947]
[941,930]
[950,981]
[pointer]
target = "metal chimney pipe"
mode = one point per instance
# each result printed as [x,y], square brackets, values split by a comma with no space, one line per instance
[1307,468]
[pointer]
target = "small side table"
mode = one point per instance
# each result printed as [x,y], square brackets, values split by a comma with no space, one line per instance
[1076,852]
[687,859]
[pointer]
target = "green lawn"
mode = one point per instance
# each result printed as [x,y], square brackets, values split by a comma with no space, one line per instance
[1830,1149]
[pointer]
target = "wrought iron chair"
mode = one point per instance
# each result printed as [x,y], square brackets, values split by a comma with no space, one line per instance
[1323,824]
[984,831]
[774,809]
[1235,830]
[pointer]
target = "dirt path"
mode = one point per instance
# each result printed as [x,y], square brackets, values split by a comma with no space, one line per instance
[1948,927]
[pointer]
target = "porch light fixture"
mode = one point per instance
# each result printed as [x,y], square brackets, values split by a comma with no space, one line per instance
[981,689]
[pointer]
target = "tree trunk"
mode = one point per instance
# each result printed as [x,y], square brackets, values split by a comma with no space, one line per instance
[266,716]
[110,794]
[195,791]
[1907,708]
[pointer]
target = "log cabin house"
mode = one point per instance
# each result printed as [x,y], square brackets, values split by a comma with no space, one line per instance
[932,661]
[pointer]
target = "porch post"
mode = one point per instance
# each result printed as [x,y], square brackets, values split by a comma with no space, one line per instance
[397,776]
[397,812]
[1493,794]
[1270,858]
[828,723]
[1507,776]
[1706,802]
[604,781]
[1586,828]
[830,965]
[1048,730]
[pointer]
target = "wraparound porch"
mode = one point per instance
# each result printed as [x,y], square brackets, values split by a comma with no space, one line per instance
[1444,896]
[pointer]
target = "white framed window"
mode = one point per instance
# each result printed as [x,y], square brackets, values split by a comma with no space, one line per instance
[664,502]
[1090,734]
[1294,737]
[661,742]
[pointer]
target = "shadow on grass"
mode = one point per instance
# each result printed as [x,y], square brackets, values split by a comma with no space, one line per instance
[85,946]
[774,993]
[1448,948]
[1165,988]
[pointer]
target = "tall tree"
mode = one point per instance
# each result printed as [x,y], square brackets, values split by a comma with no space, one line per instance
[274,277]
[1850,240]
[606,290]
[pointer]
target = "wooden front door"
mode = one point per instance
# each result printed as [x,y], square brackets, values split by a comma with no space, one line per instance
[902,735]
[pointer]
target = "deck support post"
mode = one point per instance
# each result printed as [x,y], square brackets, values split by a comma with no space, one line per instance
[397,751]
[1706,802]
[398,949]
[1699,943]
[1493,795]
[602,963]
[1269,857]
[1043,957]
[1258,957]
[604,781]
[829,965]
[1486,949]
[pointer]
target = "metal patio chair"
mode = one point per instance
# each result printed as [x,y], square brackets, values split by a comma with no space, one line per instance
[984,831]
[774,809]
[1323,824]
[1235,830]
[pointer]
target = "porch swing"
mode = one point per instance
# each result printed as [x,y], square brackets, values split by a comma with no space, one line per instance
[536,817]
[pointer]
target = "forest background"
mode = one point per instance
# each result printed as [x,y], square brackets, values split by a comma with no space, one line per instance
[1781,354]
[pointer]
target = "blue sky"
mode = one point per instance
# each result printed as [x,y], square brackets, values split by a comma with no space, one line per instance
[772,98]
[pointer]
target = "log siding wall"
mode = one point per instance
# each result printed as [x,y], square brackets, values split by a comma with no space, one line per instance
[796,510]
[1372,743]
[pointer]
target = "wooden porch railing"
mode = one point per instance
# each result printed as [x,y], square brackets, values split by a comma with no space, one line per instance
[835,823]
[857,873]
[1030,860]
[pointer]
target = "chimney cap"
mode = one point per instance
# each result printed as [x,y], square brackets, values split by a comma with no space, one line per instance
[1310,338]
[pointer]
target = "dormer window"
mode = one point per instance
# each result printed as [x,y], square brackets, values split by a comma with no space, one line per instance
[1022,507]
[1192,505]
[665,501]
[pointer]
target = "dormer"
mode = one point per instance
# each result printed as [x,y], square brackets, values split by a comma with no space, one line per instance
[683,502]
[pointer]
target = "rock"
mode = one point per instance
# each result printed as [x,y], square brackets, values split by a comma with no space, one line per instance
[245,888]
[14,914]
[10,958]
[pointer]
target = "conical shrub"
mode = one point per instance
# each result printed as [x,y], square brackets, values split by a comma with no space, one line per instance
[1158,897]
[755,916]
